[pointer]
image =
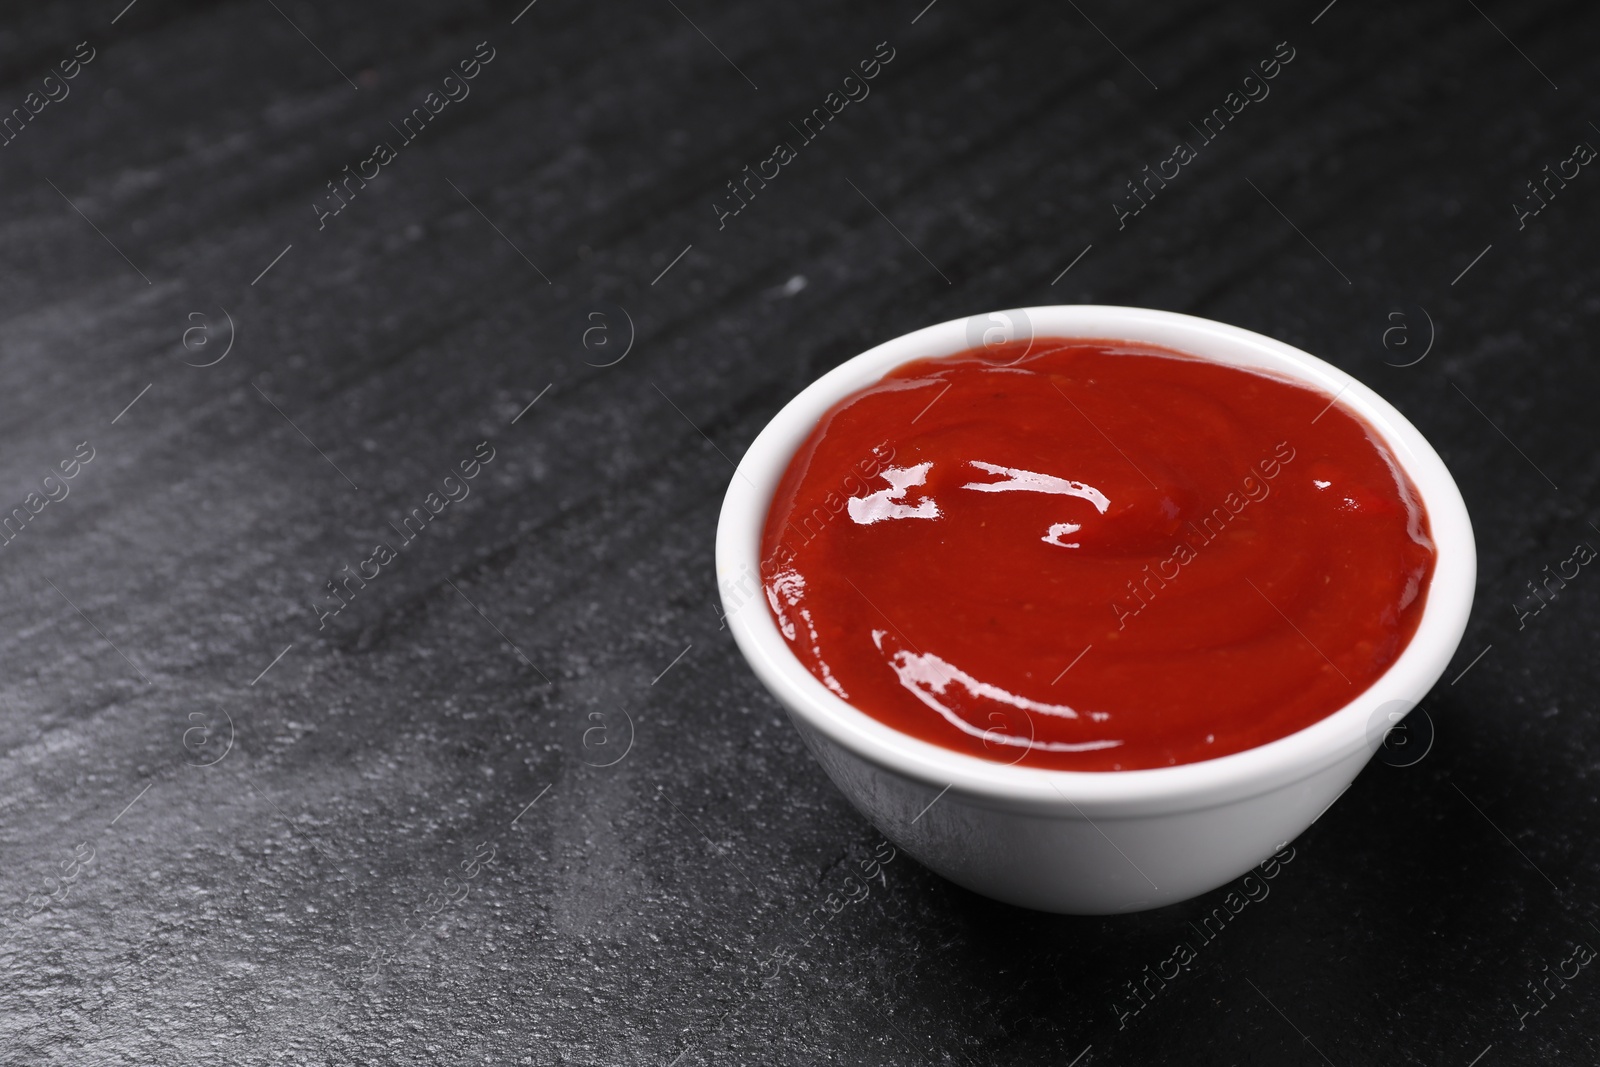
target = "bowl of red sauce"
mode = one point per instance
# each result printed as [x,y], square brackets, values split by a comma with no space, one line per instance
[1092,609]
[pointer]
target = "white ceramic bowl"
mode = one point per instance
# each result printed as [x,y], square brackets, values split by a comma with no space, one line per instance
[1074,841]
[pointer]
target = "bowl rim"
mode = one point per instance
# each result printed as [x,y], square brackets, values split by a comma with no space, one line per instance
[1184,786]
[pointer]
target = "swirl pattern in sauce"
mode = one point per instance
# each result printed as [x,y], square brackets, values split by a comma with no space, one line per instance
[1094,555]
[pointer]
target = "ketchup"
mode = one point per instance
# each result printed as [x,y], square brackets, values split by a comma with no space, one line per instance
[1094,555]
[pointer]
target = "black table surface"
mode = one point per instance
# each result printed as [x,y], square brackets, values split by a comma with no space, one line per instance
[517,799]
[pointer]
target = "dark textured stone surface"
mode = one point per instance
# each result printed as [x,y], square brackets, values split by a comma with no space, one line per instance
[300,899]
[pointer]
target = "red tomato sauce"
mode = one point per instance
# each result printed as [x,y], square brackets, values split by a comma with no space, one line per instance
[1103,556]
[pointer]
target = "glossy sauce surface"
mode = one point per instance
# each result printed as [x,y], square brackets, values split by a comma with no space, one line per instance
[1094,555]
